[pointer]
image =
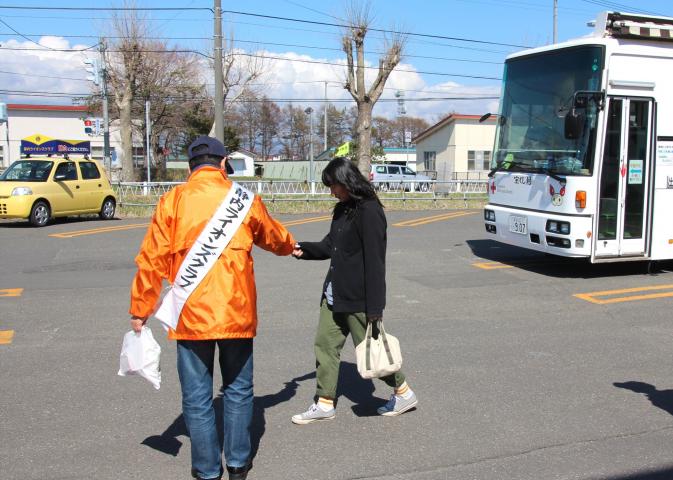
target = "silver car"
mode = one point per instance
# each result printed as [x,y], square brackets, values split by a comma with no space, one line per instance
[387,177]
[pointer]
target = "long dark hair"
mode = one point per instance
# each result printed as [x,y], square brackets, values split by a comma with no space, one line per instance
[344,172]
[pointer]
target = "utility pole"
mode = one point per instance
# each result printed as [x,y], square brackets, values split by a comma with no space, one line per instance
[147,141]
[325,121]
[219,80]
[555,19]
[107,160]
[309,111]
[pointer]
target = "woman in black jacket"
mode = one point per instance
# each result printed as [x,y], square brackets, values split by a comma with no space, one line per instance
[354,291]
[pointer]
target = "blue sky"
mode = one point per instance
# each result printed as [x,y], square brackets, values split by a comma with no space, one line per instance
[434,67]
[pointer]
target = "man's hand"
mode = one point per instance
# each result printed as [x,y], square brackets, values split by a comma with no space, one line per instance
[297,252]
[137,323]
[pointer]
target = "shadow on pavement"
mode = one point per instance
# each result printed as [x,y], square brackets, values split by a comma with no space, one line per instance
[168,442]
[359,391]
[561,267]
[660,474]
[660,398]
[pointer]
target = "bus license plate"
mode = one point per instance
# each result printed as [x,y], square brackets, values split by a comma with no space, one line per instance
[518,225]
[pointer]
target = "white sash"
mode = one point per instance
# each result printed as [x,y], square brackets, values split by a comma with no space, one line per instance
[209,246]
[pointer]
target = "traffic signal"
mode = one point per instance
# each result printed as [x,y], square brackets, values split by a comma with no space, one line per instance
[88,126]
[94,70]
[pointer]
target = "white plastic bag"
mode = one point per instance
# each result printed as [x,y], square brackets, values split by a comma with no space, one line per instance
[140,356]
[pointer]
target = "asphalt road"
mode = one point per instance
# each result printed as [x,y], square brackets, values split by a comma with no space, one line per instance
[517,377]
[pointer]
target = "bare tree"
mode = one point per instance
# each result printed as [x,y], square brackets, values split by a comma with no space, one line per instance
[358,20]
[123,72]
[138,70]
[239,72]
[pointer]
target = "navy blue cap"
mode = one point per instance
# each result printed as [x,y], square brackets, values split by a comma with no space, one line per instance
[205,145]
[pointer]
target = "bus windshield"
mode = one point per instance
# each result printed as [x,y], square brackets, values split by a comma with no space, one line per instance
[538,92]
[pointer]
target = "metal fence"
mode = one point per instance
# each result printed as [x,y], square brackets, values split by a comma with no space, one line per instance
[148,194]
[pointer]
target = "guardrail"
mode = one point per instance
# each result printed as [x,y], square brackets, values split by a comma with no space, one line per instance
[147,194]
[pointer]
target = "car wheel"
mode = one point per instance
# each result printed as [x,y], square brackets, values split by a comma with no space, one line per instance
[107,210]
[40,214]
[424,187]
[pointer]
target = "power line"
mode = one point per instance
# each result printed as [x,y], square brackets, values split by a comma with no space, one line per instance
[622,7]
[367,67]
[44,76]
[257,42]
[32,41]
[271,17]
[270,57]
[240,100]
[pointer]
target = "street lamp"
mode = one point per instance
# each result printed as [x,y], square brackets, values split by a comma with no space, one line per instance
[309,112]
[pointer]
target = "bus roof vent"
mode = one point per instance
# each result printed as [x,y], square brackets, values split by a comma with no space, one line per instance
[630,25]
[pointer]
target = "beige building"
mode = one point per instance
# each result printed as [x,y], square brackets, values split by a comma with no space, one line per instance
[64,122]
[457,147]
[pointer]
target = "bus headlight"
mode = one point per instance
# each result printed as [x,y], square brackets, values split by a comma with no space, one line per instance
[21,191]
[489,215]
[555,226]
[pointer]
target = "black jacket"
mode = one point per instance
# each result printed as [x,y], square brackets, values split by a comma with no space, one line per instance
[356,245]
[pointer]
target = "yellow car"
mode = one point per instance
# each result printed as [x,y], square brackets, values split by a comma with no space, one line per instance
[39,189]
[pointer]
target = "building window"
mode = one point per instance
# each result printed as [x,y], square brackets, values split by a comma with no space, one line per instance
[2,156]
[429,159]
[138,156]
[478,160]
[97,153]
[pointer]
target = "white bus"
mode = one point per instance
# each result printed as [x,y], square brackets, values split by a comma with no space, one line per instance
[583,156]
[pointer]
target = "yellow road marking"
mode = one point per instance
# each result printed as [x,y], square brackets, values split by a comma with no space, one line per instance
[307,220]
[414,222]
[491,265]
[6,337]
[93,231]
[592,296]
[11,292]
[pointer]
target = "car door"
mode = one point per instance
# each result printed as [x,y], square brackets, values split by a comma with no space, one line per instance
[91,185]
[394,177]
[66,195]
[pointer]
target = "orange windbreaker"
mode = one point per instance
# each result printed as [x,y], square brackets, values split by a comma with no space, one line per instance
[224,305]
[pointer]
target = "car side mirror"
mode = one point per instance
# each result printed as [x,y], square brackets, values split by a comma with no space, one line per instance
[59,177]
[574,124]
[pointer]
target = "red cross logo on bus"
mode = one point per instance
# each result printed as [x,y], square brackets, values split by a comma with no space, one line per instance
[493,187]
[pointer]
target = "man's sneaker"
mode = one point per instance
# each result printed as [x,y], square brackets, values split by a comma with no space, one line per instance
[314,414]
[398,405]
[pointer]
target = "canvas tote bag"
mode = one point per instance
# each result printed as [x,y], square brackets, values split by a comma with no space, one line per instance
[378,357]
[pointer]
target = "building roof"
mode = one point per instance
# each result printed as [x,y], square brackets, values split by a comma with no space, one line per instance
[454,117]
[52,108]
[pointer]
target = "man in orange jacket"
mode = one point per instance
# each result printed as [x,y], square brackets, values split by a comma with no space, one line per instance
[221,310]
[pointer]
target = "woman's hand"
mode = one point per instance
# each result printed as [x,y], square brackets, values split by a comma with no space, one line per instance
[374,318]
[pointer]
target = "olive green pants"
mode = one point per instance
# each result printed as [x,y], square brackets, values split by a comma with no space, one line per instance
[333,328]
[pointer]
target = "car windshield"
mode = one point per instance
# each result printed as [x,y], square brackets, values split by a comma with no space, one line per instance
[28,171]
[538,92]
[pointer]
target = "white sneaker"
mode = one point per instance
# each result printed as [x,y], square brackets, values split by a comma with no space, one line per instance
[314,414]
[397,405]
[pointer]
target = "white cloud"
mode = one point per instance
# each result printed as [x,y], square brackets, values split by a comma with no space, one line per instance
[290,76]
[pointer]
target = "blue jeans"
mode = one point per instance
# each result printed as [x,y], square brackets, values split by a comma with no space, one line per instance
[195,369]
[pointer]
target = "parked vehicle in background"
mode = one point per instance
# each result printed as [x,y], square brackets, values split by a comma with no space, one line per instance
[41,188]
[387,177]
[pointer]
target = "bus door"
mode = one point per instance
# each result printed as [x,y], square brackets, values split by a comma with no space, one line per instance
[622,227]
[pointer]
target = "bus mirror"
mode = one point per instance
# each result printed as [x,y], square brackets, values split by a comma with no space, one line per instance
[574,124]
